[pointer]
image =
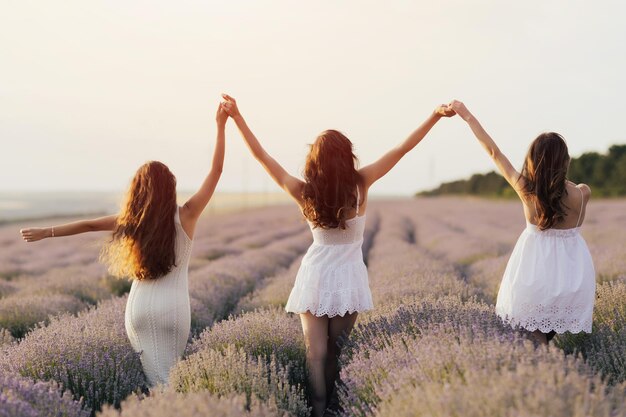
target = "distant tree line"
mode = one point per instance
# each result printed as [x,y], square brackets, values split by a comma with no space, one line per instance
[604,173]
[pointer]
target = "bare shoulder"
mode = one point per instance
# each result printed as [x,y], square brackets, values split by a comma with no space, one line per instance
[188,219]
[184,211]
[365,173]
[519,186]
[585,189]
[369,174]
[520,183]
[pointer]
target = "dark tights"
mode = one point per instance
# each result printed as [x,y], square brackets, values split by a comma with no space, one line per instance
[540,338]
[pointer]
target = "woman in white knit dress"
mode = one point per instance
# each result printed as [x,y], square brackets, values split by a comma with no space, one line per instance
[151,244]
[331,287]
[549,282]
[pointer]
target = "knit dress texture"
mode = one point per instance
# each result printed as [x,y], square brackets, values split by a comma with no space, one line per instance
[158,315]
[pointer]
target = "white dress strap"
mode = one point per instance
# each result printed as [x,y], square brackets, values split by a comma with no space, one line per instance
[582,201]
[358,199]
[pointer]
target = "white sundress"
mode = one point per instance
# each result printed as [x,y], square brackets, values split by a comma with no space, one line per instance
[549,282]
[332,279]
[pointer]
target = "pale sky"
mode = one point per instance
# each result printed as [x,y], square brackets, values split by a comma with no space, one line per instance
[89,90]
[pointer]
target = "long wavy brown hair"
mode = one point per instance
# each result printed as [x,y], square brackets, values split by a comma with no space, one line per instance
[143,242]
[544,172]
[331,179]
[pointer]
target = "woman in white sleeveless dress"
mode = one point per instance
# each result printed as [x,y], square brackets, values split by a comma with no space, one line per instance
[331,287]
[549,282]
[332,279]
[151,244]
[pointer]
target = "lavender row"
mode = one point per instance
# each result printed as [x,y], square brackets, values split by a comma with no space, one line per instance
[257,357]
[377,347]
[5,337]
[204,254]
[32,299]
[260,354]
[400,268]
[217,288]
[217,236]
[88,355]
[604,348]
[273,291]
[383,371]
[445,373]
[22,397]
[171,403]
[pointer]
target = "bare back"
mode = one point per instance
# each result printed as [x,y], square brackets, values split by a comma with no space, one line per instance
[575,202]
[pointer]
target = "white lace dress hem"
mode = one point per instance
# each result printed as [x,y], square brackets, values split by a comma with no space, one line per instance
[325,290]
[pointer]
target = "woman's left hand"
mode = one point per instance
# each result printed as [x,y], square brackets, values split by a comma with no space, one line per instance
[34,234]
[230,106]
[444,110]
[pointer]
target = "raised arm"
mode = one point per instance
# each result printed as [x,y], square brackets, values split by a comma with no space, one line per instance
[287,182]
[33,234]
[502,162]
[373,172]
[193,208]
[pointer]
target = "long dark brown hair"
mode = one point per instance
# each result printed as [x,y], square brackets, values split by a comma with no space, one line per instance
[143,242]
[331,179]
[544,172]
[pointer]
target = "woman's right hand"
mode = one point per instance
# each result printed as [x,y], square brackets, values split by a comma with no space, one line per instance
[34,234]
[230,106]
[221,116]
[460,109]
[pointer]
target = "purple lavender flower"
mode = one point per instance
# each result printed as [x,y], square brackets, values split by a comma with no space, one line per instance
[88,355]
[21,397]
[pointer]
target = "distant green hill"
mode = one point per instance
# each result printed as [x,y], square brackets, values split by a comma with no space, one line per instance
[604,173]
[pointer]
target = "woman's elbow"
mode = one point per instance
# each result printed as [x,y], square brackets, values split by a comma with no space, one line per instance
[495,153]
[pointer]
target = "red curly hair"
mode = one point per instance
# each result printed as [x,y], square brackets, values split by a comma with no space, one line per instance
[331,179]
[143,242]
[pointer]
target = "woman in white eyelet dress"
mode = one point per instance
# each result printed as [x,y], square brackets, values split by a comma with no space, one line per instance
[549,281]
[332,279]
[549,284]
[331,287]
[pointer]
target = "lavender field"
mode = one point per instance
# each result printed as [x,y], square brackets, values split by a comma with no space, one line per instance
[432,347]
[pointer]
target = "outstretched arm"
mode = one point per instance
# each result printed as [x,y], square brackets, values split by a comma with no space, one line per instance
[192,209]
[287,182]
[32,234]
[502,162]
[373,172]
